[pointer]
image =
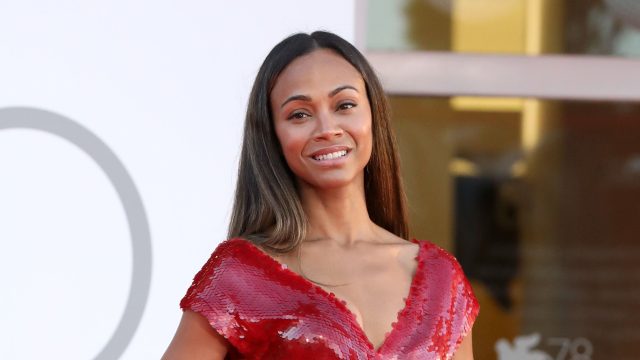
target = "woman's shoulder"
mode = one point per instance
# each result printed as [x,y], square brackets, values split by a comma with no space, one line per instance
[231,246]
[433,252]
[226,255]
[440,265]
[228,259]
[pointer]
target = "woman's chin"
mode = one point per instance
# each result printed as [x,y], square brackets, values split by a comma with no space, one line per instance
[333,182]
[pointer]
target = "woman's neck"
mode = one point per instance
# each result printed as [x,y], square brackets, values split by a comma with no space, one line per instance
[338,214]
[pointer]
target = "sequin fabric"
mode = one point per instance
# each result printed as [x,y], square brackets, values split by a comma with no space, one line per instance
[267,311]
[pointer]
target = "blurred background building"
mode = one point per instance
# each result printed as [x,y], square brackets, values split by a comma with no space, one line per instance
[519,127]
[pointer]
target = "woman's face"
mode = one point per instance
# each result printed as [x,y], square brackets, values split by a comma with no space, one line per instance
[322,118]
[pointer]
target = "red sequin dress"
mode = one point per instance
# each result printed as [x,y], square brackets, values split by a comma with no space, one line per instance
[267,311]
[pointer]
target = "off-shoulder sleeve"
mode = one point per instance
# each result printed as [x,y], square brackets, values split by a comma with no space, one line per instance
[212,295]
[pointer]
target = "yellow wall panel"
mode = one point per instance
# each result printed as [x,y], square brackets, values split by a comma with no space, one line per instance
[495,26]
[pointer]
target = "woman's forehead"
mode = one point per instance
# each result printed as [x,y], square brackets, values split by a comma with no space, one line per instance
[319,71]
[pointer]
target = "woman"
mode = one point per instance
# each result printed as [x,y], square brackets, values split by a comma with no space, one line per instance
[318,265]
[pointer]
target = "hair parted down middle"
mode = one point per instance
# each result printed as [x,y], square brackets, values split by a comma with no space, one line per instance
[267,209]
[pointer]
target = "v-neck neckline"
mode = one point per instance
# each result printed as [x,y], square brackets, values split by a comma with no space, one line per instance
[342,304]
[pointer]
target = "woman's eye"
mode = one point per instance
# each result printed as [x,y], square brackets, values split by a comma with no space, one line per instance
[346,106]
[297,115]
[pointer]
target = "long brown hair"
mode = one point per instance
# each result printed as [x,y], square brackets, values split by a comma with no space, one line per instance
[267,209]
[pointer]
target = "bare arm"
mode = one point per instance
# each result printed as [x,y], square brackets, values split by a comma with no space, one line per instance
[465,351]
[195,339]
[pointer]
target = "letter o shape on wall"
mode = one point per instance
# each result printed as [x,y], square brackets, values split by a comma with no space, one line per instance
[38,119]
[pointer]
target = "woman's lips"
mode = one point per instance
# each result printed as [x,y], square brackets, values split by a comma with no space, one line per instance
[331,155]
[335,150]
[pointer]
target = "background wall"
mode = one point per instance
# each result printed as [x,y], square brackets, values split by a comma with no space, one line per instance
[164,85]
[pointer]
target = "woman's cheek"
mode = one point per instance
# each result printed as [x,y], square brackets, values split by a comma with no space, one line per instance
[293,148]
[363,131]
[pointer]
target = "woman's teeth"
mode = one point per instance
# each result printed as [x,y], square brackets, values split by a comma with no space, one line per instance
[332,155]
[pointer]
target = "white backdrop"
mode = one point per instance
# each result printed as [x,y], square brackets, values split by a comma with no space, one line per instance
[164,85]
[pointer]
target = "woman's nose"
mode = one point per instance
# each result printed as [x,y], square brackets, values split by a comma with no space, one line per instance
[327,127]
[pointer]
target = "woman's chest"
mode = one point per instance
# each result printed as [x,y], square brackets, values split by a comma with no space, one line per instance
[372,289]
[375,300]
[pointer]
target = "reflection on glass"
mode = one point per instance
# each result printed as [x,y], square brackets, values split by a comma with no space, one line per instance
[539,201]
[597,27]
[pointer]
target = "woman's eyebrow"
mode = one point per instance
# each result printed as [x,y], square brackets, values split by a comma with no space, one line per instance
[307,98]
[340,88]
[295,97]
